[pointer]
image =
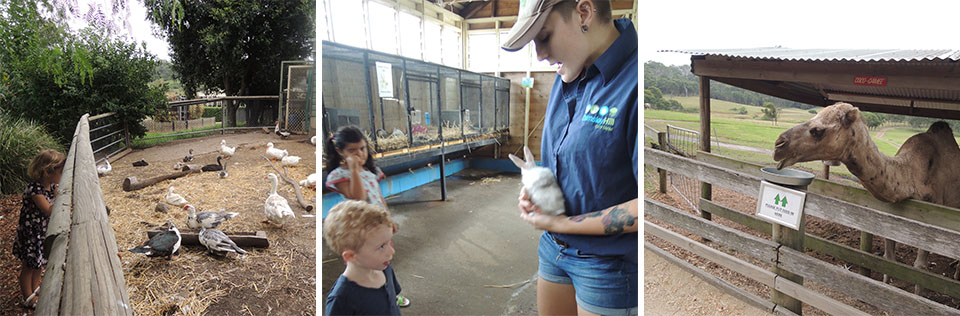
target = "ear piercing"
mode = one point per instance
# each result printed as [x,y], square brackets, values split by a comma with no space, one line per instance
[583,28]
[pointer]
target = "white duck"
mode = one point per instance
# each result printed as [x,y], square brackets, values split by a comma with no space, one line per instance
[289,161]
[276,207]
[226,150]
[313,140]
[104,168]
[206,219]
[275,153]
[311,181]
[217,242]
[174,199]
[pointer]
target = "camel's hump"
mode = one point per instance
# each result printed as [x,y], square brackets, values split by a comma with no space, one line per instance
[939,127]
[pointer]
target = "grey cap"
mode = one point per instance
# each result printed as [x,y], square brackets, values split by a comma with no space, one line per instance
[533,13]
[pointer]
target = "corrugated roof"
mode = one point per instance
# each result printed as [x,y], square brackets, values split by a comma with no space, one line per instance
[854,55]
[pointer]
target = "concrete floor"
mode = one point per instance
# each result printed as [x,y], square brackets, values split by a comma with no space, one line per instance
[446,252]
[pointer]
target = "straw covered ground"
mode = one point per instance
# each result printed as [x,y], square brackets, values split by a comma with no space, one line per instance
[280,279]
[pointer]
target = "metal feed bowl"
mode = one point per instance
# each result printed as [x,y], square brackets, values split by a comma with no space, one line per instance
[786,176]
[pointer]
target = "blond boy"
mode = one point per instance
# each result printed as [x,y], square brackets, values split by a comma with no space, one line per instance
[361,233]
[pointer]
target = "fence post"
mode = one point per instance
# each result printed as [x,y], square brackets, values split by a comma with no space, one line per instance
[789,237]
[126,134]
[662,138]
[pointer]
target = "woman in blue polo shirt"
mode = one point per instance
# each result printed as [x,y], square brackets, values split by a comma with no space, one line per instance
[588,256]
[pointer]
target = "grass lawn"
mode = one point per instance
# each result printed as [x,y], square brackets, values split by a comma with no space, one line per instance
[144,143]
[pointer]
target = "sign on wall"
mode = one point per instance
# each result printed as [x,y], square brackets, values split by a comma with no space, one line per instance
[385,79]
[780,205]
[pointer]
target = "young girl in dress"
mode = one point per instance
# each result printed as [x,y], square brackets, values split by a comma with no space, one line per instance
[44,171]
[355,176]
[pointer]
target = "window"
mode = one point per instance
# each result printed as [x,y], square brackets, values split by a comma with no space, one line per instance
[348,23]
[432,37]
[383,28]
[482,53]
[452,47]
[514,61]
[410,37]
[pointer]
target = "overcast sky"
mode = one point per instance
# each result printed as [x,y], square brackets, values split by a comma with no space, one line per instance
[684,24]
[140,27]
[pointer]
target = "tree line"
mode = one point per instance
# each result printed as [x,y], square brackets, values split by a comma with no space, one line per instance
[680,81]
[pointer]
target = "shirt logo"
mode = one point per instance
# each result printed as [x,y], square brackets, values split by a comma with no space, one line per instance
[602,117]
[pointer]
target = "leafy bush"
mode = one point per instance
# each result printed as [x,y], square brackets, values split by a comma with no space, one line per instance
[812,111]
[56,75]
[209,111]
[740,110]
[21,140]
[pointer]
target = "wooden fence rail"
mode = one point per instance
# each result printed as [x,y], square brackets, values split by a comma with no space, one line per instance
[84,275]
[910,229]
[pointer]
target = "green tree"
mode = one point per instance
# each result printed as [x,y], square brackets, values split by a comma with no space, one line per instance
[53,76]
[873,119]
[770,112]
[235,45]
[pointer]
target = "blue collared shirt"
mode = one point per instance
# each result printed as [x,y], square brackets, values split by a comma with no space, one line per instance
[590,141]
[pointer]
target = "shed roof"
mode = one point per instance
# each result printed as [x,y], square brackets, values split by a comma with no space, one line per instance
[909,82]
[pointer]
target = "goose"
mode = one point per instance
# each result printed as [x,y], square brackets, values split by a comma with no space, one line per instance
[276,207]
[165,243]
[174,199]
[279,131]
[189,157]
[225,150]
[206,219]
[275,153]
[217,242]
[311,181]
[213,167]
[289,161]
[104,168]
[313,140]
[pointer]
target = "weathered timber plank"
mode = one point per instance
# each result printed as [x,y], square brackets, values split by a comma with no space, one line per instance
[733,263]
[782,310]
[719,283]
[904,230]
[748,220]
[815,299]
[930,213]
[77,292]
[754,246]
[256,239]
[873,292]
[50,288]
[868,260]
[730,179]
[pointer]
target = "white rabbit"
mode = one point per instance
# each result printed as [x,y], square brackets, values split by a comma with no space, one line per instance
[541,185]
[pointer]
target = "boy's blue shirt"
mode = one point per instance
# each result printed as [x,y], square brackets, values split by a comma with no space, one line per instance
[349,298]
[590,141]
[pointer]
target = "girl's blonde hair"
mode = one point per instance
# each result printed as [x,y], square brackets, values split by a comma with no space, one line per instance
[348,223]
[46,162]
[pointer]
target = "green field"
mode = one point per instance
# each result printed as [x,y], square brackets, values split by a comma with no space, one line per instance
[739,129]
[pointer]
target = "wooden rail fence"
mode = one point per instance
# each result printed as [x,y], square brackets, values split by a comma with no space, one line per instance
[915,223]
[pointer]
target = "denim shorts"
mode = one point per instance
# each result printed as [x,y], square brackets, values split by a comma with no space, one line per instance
[605,285]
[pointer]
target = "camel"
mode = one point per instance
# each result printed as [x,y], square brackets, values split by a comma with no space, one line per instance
[924,168]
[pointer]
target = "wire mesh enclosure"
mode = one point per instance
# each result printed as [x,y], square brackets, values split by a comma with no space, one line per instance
[297,95]
[684,142]
[404,103]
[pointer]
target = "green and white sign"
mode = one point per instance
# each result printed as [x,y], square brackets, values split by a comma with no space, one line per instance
[780,205]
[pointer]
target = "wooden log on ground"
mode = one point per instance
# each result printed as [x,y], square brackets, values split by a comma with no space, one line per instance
[295,184]
[188,237]
[132,184]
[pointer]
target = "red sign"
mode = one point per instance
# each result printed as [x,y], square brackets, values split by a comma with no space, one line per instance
[870,81]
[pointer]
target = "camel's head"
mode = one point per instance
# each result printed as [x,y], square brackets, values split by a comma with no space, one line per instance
[824,137]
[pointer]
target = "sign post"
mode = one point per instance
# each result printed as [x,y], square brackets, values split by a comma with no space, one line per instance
[781,200]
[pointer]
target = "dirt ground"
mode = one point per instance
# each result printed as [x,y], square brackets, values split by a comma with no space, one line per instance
[670,290]
[278,280]
[815,226]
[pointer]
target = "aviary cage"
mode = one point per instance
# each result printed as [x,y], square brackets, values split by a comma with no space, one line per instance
[405,103]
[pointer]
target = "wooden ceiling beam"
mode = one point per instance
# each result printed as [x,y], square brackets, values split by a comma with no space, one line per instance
[900,110]
[772,89]
[472,8]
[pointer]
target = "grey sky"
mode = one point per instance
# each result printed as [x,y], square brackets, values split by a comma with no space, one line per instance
[140,28]
[679,24]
